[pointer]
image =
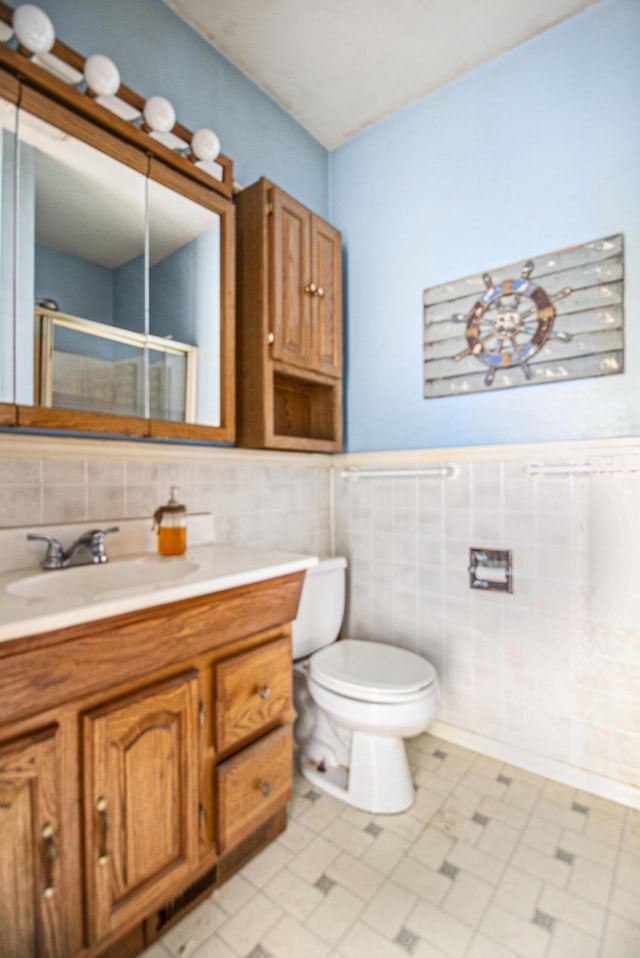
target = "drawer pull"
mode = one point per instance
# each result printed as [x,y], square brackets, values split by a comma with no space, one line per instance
[265,788]
[263,691]
[105,825]
[48,835]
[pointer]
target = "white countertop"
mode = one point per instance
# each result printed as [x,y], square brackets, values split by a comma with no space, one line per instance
[211,568]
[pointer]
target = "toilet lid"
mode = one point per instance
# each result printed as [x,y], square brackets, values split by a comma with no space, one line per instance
[371,671]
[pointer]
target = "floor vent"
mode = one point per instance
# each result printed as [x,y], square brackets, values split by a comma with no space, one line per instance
[182,902]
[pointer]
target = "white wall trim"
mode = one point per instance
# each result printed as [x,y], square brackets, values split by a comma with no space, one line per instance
[550,768]
[62,447]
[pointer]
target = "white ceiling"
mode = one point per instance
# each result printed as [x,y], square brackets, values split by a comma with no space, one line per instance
[338,66]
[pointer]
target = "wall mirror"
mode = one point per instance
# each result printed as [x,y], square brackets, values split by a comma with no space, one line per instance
[118,316]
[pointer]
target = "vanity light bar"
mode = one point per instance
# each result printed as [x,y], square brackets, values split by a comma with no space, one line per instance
[407,472]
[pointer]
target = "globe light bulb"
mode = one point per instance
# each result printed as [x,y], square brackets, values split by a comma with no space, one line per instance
[205,145]
[33,28]
[159,114]
[102,75]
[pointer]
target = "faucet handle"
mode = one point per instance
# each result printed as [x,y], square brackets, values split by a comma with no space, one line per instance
[97,542]
[55,555]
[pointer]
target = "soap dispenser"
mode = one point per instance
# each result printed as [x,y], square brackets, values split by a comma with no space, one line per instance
[170,522]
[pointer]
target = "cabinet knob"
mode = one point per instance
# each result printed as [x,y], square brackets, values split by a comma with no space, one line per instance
[51,849]
[105,825]
[265,788]
[263,691]
[320,291]
[311,288]
[271,338]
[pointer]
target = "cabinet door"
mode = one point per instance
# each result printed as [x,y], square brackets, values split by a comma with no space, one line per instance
[253,785]
[32,896]
[141,800]
[290,280]
[326,316]
[253,690]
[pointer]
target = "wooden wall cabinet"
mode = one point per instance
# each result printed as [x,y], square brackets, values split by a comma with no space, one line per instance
[289,322]
[143,759]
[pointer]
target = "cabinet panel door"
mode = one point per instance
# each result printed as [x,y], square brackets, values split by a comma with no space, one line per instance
[141,811]
[253,690]
[290,275]
[32,895]
[253,785]
[326,267]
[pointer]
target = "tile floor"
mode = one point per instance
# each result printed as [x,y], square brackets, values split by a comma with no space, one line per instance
[491,862]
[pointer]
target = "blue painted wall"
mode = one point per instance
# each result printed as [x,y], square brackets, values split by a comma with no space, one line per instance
[157,53]
[536,151]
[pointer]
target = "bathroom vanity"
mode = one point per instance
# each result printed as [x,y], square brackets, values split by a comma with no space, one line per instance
[145,744]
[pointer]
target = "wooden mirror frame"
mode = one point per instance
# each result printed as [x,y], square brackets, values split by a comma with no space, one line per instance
[33,88]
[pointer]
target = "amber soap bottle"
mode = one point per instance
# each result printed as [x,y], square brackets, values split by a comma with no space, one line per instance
[170,523]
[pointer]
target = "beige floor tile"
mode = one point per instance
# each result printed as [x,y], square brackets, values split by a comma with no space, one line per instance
[213,948]
[314,859]
[347,837]
[463,800]
[249,925]
[235,893]
[628,872]
[543,866]
[498,839]
[626,903]
[295,896]
[335,914]
[362,941]
[296,836]
[388,909]
[432,847]
[518,892]
[477,862]
[521,795]
[621,939]
[586,847]
[288,937]
[579,912]
[435,926]
[385,852]
[503,812]
[483,947]
[355,875]
[427,884]
[523,937]
[433,781]
[468,898]
[196,927]
[560,815]
[604,827]
[266,864]
[427,803]
[543,835]
[590,880]
[321,812]
[455,824]
[407,825]
[483,784]
[569,942]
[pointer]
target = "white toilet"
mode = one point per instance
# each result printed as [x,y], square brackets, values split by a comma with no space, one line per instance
[356,701]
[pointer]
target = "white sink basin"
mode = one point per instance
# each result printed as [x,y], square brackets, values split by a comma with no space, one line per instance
[92,581]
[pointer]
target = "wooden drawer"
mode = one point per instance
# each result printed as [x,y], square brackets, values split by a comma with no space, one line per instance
[253,691]
[253,785]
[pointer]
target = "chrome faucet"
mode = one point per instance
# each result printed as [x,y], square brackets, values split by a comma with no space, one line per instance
[86,550]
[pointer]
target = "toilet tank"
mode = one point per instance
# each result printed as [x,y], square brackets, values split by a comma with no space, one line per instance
[321,607]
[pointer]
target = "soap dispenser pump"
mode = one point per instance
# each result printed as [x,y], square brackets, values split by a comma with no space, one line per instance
[170,522]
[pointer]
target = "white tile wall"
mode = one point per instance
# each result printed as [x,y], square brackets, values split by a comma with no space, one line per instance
[553,668]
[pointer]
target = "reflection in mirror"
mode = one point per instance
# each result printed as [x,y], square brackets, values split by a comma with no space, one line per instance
[8,115]
[81,244]
[184,299]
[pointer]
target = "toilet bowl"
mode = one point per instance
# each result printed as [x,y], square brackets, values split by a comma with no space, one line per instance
[356,701]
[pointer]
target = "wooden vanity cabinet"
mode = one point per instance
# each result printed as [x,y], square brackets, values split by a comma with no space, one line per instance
[143,759]
[289,319]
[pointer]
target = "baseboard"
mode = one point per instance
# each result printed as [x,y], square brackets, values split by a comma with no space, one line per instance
[557,771]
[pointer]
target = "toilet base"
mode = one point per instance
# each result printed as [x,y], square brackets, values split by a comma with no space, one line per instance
[378,779]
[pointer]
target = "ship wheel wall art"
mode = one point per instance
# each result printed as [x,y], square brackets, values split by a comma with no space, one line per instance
[550,318]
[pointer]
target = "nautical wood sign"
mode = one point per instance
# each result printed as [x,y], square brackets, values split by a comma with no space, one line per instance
[553,317]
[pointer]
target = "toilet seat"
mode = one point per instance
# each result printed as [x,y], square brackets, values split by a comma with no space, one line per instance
[371,671]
